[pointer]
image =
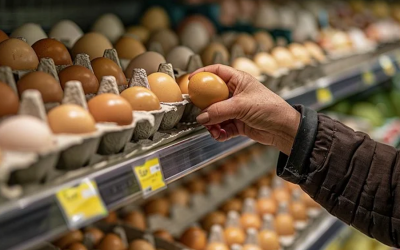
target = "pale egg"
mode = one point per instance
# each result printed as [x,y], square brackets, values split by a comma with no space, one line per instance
[110,26]
[67,32]
[32,32]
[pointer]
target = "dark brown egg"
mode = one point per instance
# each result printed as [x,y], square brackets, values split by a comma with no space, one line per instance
[3,36]
[54,49]
[111,218]
[214,218]
[111,108]
[165,235]
[96,234]
[69,238]
[77,246]
[46,84]
[136,219]
[90,84]
[106,67]
[158,206]
[140,245]
[17,55]
[9,103]
[111,241]
[194,238]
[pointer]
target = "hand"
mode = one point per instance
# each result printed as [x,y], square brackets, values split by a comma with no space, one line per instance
[253,111]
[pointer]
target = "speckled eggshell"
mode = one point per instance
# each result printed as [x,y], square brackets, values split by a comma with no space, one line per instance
[32,32]
[17,55]
[51,48]
[149,61]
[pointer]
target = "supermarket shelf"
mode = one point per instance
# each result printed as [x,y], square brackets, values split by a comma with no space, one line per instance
[41,217]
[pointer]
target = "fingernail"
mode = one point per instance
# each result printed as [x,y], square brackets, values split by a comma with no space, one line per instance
[203,118]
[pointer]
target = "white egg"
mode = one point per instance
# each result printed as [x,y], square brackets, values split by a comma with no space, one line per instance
[109,25]
[179,57]
[67,32]
[195,36]
[246,65]
[32,32]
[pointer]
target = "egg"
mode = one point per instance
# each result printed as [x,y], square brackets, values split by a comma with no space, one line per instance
[111,108]
[95,234]
[264,39]
[298,210]
[111,218]
[266,206]
[46,84]
[3,36]
[214,218]
[246,65]
[300,53]
[214,177]
[111,241]
[140,245]
[250,192]
[32,32]
[67,32]
[70,119]
[110,26]
[141,99]
[264,182]
[194,238]
[17,55]
[228,38]
[249,220]
[93,44]
[315,51]
[179,196]
[158,206]
[166,38]
[9,102]
[208,54]
[196,186]
[208,25]
[165,235]
[155,18]
[206,89]
[90,84]
[77,246]
[283,57]
[129,48]
[164,87]
[247,42]
[149,61]
[195,36]
[284,225]
[232,205]
[106,67]
[234,235]
[266,63]
[183,82]
[140,33]
[51,48]
[179,57]
[281,195]
[70,238]
[136,219]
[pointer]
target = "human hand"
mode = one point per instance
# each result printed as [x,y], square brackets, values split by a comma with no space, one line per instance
[253,111]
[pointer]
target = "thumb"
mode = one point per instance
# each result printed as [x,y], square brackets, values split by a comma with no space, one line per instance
[219,112]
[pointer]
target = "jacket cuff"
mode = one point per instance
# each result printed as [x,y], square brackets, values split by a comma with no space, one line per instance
[294,168]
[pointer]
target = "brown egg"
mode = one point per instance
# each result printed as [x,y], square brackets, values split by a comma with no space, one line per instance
[246,65]
[166,38]
[70,119]
[268,240]
[232,205]
[183,83]
[140,32]
[283,57]
[249,220]
[77,246]
[266,63]
[300,53]
[140,245]
[69,238]
[141,99]
[250,192]
[281,195]
[247,42]
[284,224]
[90,84]
[266,206]
[234,235]
[17,55]
[264,39]
[45,83]
[196,186]
[155,18]
[158,206]
[292,186]
[3,36]
[9,102]
[111,108]
[165,88]
[96,234]
[51,48]
[179,196]
[214,218]
[264,181]
[229,167]
[251,247]
[149,61]
[310,203]
[208,25]
[206,89]
[106,67]
[94,44]
[136,219]
[194,238]
[111,241]
[298,210]
[315,51]
[209,52]
[214,177]
[129,48]
[165,235]
[217,246]
[112,218]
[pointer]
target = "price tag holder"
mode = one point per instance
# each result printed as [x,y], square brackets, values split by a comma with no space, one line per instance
[150,176]
[81,203]
[368,78]
[324,95]
[387,65]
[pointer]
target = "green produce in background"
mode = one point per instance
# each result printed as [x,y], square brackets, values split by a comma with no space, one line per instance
[342,107]
[394,96]
[383,103]
[369,112]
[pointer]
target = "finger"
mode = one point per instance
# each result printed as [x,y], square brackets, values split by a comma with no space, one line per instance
[225,72]
[223,136]
[214,130]
[231,130]
[219,112]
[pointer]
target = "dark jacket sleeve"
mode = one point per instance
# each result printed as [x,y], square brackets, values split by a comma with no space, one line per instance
[353,177]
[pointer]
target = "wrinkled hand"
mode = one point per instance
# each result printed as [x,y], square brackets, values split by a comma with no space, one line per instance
[253,111]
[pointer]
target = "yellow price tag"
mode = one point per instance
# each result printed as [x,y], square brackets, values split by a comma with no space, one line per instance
[81,203]
[324,95]
[150,176]
[387,65]
[368,78]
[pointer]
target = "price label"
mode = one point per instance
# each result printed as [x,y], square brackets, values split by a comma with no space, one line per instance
[81,203]
[150,176]
[368,78]
[387,65]
[324,95]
